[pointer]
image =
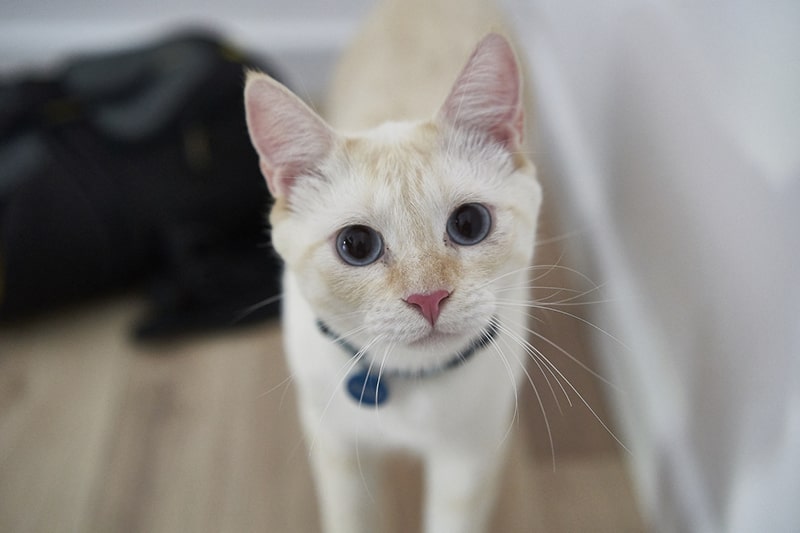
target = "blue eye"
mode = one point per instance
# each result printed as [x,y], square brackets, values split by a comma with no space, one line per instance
[469,224]
[359,245]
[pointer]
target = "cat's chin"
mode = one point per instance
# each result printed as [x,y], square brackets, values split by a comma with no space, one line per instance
[434,340]
[418,340]
[437,350]
[446,339]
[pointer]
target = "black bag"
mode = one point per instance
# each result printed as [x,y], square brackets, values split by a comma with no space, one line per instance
[136,165]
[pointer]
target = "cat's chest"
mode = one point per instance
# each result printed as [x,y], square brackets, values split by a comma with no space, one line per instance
[416,413]
[412,412]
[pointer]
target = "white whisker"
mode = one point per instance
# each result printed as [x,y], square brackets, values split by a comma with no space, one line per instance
[345,337]
[361,472]
[563,268]
[511,377]
[558,238]
[255,307]
[535,356]
[534,305]
[340,378]
[551,267]
[503,276]
[576,296]
[536,287]
[283,383]
[573,359]
[381,369]
[580,396]
[538,398]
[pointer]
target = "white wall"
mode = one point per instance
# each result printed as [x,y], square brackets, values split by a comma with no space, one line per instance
[673,130]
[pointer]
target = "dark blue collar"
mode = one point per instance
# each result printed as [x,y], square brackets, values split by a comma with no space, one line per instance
[369,387]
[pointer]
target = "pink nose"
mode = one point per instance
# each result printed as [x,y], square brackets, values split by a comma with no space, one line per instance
[428,304]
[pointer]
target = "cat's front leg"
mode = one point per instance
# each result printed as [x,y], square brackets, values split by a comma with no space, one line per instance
[460,490]
[347,481]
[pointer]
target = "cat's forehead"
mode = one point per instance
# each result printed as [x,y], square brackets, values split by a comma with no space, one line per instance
[394,150]
[400,167]
[415,161]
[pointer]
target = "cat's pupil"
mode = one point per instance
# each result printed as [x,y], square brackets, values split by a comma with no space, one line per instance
[469,224]
[359,245]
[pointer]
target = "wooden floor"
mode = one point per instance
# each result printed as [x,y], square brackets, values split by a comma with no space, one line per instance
[98,434]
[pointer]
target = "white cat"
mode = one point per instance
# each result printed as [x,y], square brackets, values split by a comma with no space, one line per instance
[407,233]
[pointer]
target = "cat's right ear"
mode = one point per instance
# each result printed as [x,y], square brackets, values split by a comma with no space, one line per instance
[288,136]
[487,96]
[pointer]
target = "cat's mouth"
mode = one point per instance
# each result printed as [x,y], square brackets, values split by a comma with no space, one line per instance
[450,357]
[446,336]
[452,354]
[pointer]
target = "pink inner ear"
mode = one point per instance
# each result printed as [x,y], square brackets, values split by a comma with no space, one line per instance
[487,96]
[289,137]
[278,187]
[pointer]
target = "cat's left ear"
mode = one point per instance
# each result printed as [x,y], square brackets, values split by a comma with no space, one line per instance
[290,138]
[487,96]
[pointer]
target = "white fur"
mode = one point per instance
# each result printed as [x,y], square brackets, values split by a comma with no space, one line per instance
[458,422]
[404,179]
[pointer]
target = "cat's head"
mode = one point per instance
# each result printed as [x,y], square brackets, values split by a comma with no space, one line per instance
[404,234]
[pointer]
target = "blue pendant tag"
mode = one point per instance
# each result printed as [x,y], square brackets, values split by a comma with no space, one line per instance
[367,389]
